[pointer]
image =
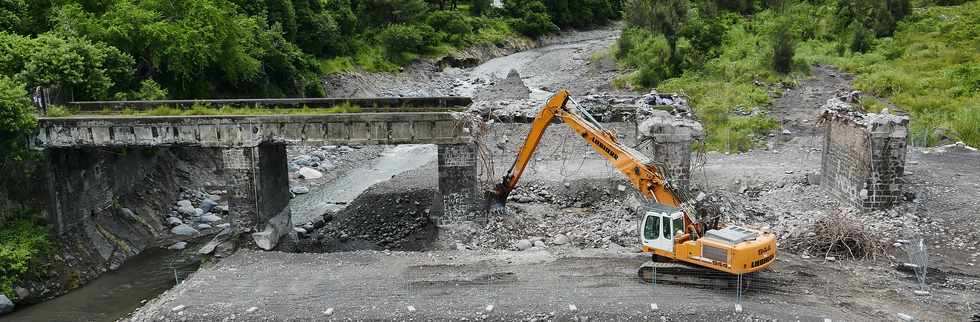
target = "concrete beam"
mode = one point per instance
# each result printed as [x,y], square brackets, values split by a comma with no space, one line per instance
[371,102]
[250,131]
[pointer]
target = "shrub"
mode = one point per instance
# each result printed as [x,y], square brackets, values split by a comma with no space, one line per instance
[399,38]
[21,241]
[783,49]
[860,39]
[453,26]
[530,18]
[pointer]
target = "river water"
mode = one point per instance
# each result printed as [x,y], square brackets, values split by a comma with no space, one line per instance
[115,295]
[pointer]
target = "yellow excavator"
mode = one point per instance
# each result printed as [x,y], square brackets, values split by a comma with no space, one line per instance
[679,244]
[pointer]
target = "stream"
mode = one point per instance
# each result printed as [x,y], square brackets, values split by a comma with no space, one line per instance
[114,295]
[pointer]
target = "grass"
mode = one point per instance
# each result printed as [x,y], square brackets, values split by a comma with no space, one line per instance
[21,241]
[930,69]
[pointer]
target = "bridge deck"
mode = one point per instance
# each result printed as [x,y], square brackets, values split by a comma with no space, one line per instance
[251,130]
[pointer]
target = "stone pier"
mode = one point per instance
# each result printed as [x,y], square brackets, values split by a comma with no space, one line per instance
[668,140]
[458,184]
[863,156]
[259,192]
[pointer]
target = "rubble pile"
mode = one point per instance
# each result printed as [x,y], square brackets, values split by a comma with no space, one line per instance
[839,234]
[197,211]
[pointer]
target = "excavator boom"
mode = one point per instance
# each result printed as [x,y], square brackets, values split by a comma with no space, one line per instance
[641,171]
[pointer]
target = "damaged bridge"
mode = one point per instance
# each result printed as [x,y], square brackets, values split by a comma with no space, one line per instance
[252,152]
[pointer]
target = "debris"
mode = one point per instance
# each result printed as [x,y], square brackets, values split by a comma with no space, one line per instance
[654,307]
[178,308]
[411,309]
[905,317]
[489,308]
[572,307]
[329,311]
[920,292]
[252,309]
[560,239]
[838,234]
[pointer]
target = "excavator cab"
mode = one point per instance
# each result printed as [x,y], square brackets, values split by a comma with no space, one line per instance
[660,226]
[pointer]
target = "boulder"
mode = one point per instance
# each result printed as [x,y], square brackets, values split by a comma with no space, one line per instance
[300,190]
[184,230]
[225,234]
[184,203]
[174,221]
[539,244]
[6,305]
[178,246]
[309,173]
[209,218]
[187,210]
[207,205]
[203,226]
[523,244]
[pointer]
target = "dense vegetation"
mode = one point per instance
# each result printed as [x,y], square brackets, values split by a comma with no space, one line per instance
[139,49]
[21,242]
[725,55]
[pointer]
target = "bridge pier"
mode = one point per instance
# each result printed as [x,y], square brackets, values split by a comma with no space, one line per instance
[259,191]
[458,184]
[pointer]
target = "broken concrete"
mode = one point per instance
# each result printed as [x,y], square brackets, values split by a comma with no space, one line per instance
[863,156]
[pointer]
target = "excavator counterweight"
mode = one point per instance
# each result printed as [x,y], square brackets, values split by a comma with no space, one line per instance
[667,229]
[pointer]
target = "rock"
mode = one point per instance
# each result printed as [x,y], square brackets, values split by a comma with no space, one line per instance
[224,225]
[6,305]
[831,258]
[309,173]
[178,308]
[209,218]
[207,205]
[621,188]
[539,244]
[225,234]
[252,309]
[198,212]
[221,209]
[184,230]
[300,190]
[920,292]
[523,244]
[905,317]
[22,293]
[184,203]
[187,211]
[329,311]
[203,226]
[174,221]
[178,246]
[560,239]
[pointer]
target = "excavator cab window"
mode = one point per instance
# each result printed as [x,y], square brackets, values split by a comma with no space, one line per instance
[651,228]
[667,230]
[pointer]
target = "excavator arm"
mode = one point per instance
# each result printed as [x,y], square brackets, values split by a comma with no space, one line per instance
[640,170]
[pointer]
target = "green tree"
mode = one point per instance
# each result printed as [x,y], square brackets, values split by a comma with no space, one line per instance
[84,69]
[783,49]
[664,17]
[17,120]
[480,7]
[529,18]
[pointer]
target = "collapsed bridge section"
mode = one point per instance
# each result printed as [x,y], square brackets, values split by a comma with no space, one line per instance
[253,156]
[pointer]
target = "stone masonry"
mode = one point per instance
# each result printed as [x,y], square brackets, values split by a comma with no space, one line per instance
[458,184]
[863,156]
[668,140]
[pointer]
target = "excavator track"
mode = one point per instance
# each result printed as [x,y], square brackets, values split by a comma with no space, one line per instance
[683,274]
